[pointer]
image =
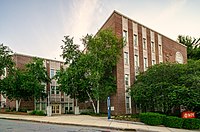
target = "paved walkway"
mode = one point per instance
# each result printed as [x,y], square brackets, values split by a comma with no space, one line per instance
[86,120]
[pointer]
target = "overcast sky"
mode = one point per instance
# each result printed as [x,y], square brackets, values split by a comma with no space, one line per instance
[37,27]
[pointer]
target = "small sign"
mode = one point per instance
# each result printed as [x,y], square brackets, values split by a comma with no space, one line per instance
[112,108]
[188,114]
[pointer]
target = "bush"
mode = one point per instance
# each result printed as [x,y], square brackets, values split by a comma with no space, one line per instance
[135,116]
[40,113]
[171,121]
[37,112]
[191,123]
[22,110]
[151,118]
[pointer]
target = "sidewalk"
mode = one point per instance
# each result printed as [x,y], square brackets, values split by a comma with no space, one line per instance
[86,120]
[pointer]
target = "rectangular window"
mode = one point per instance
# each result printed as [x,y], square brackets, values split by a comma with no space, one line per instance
[125,37]
[127,103]
[153,62]
[126,58]
[57,90]
[126,79]
[52,73]
[152,47]
[160,49]
[145,63]
[144,44]
[136,61]
[135,40]
[52,89]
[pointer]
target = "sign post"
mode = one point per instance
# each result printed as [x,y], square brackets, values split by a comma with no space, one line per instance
[109,108]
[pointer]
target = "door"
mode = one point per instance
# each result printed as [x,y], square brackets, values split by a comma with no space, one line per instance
[56,109]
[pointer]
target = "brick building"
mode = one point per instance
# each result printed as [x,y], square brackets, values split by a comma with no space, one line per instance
[58,100]
[144,48]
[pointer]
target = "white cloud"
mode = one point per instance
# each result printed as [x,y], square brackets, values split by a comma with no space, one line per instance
[82,19]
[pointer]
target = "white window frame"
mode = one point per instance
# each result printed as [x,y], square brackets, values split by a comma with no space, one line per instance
[51,72]
[126,79]
[135,40]
[144,43]
[160,49]
[145,63]
[152,47]
[125,36]
[126,58]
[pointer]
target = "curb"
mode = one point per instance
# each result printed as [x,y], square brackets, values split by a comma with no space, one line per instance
[47,122]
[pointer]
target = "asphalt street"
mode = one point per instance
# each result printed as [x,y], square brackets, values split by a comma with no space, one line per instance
[22,126]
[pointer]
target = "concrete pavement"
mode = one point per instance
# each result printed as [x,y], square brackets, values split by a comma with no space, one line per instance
[86,120]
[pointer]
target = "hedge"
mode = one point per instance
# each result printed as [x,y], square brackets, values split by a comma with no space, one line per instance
[151,118]
[191,123]
[172,121]
[37,112]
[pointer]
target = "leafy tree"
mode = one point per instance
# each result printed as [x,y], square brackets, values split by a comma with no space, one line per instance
[91,73]
[70,50]
[193,46]
[105,49]
[166,86]
[5,59]
[26,84]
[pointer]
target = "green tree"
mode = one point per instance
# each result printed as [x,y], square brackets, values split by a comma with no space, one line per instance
[193,46]
[104,49]
[91,73]
[6,61]
[26,84]
[167,86]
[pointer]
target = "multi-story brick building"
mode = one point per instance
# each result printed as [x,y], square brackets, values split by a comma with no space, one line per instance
[58,100]
[144,47]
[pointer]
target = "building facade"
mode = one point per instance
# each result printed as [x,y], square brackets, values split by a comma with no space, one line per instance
[59,102]
[143,48]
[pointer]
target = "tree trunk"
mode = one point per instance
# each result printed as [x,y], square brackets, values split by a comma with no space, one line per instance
[94,108]
[98,106]
[18,102]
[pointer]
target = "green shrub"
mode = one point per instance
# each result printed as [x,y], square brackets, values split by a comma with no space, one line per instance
[135,116]
[40,113]
[7,110]
[191,123]
[151,118]
[37,112]
[171,121]
[22,110]
[33,112]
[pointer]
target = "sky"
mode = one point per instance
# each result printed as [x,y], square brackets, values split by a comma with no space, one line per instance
[37,27]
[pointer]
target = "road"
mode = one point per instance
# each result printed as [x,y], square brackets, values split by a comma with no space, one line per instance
[22,126]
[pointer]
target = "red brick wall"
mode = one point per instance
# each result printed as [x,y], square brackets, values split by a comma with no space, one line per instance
[140,44]
[170,48]
[149,47]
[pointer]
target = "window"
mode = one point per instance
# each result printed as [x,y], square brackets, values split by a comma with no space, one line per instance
[160,49]
[145,63]
[126,79]
[153,62]
[135,40]
[125,37]
[57,90]
[52,89]
[52,73]
[127,103]
[126,58]
[136,61]
[152,47]
[144,44]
